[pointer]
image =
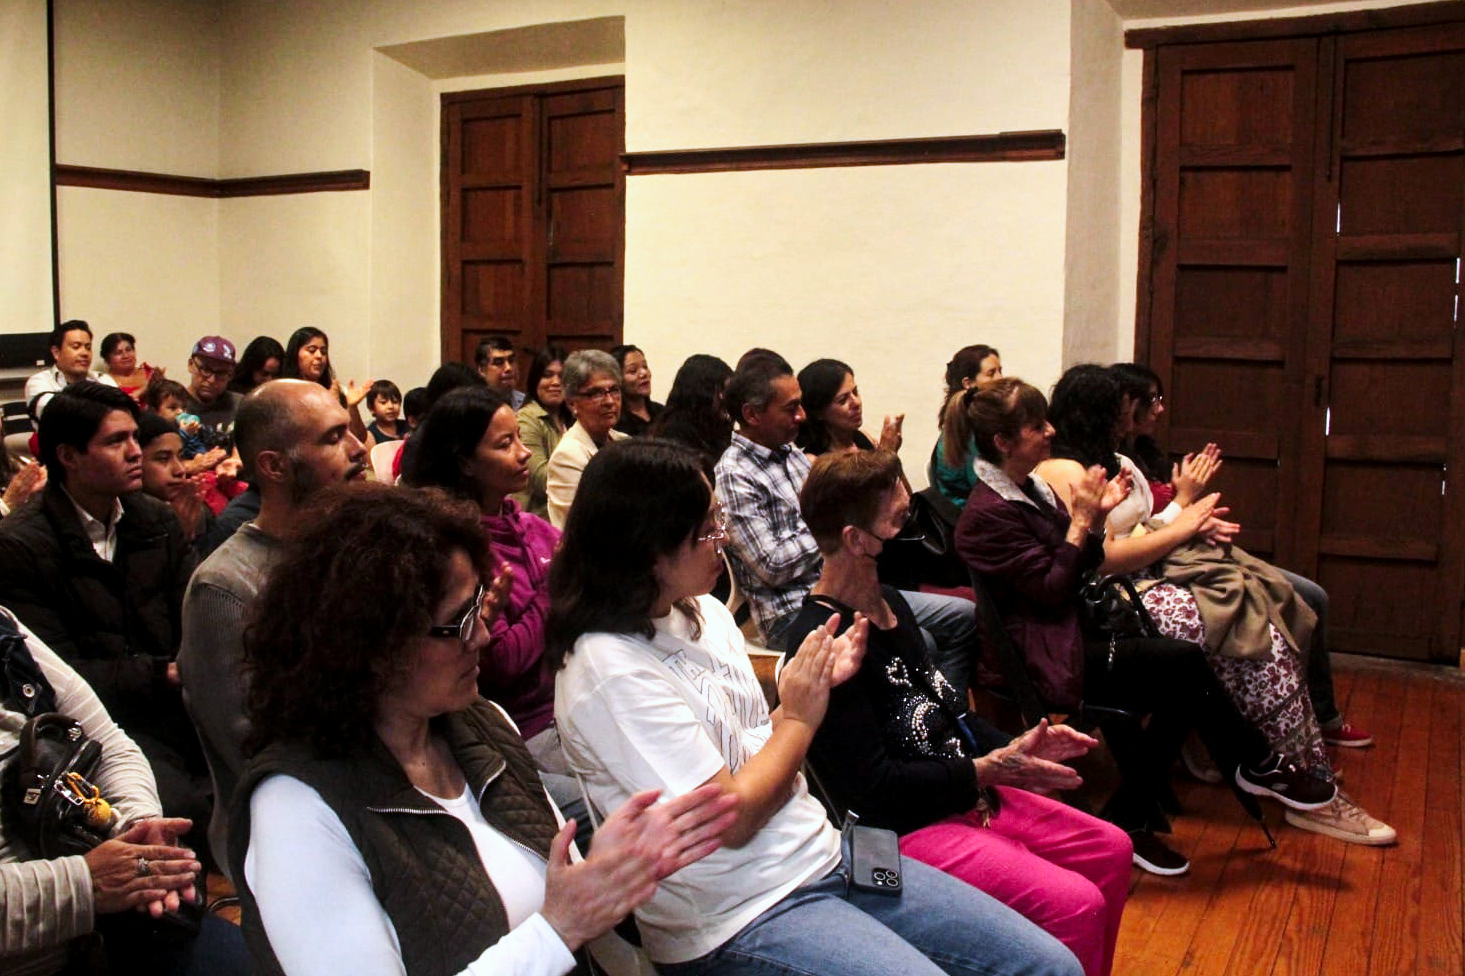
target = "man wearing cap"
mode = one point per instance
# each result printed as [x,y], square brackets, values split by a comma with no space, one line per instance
[71,353]
[210,366]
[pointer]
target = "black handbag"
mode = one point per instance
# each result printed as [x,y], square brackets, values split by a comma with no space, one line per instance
[924,552]
[1110,607]
[49,782]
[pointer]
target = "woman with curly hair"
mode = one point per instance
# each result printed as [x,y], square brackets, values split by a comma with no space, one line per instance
[381,775]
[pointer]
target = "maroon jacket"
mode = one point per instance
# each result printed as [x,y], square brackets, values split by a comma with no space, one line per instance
[1033,575]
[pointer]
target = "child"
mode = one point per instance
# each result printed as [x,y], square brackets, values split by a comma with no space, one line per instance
[384,401]
[414,405]
[167,398]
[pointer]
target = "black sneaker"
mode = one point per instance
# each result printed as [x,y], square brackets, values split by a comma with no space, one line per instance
[1151,854]
[1282,779]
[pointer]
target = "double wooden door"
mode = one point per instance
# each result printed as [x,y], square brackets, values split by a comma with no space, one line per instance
[533,216]
[1303,302]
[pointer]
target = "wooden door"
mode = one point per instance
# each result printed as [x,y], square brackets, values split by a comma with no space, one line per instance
[533,216]
[1234,158]
[1308,202]
[1385,403]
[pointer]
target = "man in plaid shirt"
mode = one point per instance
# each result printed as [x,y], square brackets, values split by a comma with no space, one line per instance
[771,552]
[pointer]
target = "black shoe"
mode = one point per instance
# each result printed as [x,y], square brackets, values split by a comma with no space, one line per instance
[1151,854]
[1282,779]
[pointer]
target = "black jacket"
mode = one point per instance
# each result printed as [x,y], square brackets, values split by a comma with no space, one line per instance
[116,623]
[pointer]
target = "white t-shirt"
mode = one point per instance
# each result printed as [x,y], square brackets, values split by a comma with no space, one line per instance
[668,714]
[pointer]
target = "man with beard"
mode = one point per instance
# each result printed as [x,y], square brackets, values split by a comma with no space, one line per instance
[294,438]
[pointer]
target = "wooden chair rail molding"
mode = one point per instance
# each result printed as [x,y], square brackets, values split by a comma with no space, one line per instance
[195,186]
[1046,144]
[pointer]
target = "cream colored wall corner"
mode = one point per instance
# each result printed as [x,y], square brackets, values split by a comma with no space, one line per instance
[25,170]
[1091,257]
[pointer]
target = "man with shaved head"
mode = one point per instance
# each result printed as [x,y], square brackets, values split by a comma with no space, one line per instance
[294,439]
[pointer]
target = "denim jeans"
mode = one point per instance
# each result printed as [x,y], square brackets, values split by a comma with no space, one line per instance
[936,925]
[1319,664]
[950,625]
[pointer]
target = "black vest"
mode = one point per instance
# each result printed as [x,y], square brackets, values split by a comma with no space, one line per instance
[424,867]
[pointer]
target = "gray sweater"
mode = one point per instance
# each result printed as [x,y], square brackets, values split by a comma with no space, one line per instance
[45,903]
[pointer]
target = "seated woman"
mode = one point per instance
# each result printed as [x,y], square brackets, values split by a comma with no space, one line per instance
[543,420]
[893,748]
[657,692]
[593,390]
[1142,385]
[972,368]
[52,904]
[834,412]
[469,446]
[258,364]
[1033,557]
[1241,609]
[119,352]
[638,410]
[694,414]
[387,790]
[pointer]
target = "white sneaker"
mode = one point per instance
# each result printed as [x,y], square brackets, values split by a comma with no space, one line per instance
[1344,820]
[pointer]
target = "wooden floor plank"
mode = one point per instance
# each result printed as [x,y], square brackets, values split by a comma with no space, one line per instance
[1397,901]
[1317,906]
[1441,947]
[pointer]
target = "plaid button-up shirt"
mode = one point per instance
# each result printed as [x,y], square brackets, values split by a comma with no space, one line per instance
[772,554]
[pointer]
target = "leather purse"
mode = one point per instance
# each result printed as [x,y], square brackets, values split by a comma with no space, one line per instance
[1110,606]
[49,781]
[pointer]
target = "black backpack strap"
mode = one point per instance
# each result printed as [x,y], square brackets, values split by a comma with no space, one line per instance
[23,685]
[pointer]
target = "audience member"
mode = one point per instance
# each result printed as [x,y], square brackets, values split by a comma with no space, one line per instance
[770,550]
[446,378]
[833,412]
[593,391]
[897,745]
[543,420]
[260,362]
[470,447]
[638,410]
[1143,387]
[694,414]
[52,905]
[972,368]
[96,568]
[384,401]
[164,397]
[119,352]
[414,407]
[71,353]
[294,439]
[389,791]
[164,477]
[20,478]
[210,366]
[308,357]
[1017,534]
[1199,587]
[657,692]
[495,360]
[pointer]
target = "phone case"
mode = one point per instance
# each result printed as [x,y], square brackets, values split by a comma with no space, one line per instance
[875,858]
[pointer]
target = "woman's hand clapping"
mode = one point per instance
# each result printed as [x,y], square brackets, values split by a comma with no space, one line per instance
[637,846]
[821,663]
[1033,761]
[1194,472]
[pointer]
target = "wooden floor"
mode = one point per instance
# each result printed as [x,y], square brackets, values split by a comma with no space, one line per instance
[1315,905]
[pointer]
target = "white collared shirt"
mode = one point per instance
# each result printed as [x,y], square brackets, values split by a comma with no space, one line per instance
[54,381]
[103,535]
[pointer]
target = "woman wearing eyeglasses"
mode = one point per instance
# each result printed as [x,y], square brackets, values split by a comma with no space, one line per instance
[469,446]
[388,800]
[593,391]
[656,692]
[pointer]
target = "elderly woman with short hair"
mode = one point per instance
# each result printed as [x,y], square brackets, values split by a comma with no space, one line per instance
[593,391]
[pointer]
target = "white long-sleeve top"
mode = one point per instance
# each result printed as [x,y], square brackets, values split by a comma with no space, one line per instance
[46,903]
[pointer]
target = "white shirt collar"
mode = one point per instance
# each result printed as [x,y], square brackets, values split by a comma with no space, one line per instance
[102,535]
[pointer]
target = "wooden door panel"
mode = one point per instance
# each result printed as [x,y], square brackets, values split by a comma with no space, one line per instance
[1406,303]
[533,216]
[1379,606]
[1245,303]
[1401,194]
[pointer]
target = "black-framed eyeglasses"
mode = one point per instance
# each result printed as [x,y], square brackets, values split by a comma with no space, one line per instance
[213,373]
[462,628]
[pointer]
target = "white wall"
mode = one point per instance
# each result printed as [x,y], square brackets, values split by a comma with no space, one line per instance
[1094,137]
[25,170]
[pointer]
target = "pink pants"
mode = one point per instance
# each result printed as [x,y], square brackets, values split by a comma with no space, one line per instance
[1063,870]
